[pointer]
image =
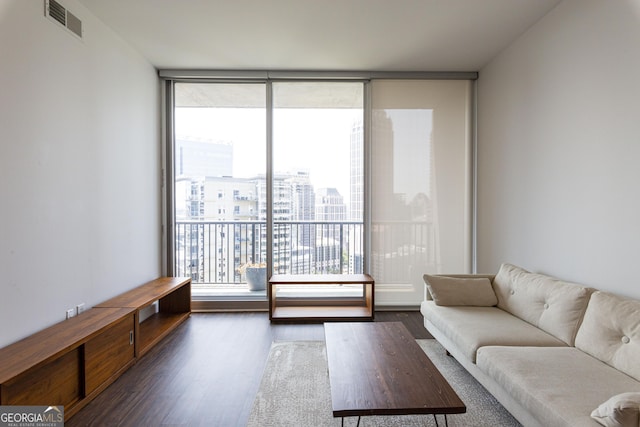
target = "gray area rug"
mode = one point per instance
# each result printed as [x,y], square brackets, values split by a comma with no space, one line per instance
[295,391]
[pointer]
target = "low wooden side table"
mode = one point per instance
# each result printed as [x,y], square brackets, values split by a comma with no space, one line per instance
[325,308]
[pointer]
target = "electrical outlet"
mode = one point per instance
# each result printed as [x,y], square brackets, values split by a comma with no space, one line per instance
[80,308]
[71,313]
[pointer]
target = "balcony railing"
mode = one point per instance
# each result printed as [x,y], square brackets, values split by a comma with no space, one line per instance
[211,253]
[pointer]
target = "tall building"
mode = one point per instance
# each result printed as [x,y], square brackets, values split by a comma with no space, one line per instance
[356,178]
[213,198]
[217,225]
[282,215]
[200,157]
[303,201]
[383,138]
[330,208]
[330,205]
[302,195]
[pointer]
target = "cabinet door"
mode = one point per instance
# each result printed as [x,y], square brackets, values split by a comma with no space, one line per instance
[55,383]
[108,354]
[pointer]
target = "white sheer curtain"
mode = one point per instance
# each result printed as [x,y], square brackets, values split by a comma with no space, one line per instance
[420,184]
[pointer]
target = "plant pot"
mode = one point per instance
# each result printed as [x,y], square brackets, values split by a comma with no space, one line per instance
[257,278]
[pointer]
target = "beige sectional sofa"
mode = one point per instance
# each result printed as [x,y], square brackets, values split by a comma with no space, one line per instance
[553,353]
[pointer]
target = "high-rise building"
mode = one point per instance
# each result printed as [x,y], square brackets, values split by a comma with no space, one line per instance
[200,157]
[216,198]
[302,240]
[330,209]
[356,170]
[302,195]
[330,205]
[355,249]
[217,226]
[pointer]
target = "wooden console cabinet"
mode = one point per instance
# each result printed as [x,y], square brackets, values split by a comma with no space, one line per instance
[70,362]
[173,295]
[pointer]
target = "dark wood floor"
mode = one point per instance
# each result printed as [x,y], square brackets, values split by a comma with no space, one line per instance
[206,373]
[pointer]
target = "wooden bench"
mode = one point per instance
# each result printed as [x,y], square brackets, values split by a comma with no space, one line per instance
[71,362]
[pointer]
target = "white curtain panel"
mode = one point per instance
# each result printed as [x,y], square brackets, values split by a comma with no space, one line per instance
[420,184]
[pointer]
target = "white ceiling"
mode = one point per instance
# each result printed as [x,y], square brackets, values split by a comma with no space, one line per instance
[345,35]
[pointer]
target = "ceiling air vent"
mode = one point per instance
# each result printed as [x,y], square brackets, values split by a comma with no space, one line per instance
[57,12]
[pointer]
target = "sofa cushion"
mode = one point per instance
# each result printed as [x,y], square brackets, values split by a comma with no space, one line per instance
[453,291]
[610,332]
[553,305]
[473,327]
[559,386]
[621,410]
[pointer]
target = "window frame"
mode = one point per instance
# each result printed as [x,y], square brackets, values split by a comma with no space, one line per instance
[168,80]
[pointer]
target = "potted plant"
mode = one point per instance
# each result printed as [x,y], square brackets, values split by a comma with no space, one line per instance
[256,275]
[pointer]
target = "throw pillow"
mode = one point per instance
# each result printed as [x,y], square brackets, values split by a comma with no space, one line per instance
[622,410]
[473,291]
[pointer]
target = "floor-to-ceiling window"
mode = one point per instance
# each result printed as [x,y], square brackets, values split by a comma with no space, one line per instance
[325,176]
[219,151]
[228,226]
[317,155]
[318,182]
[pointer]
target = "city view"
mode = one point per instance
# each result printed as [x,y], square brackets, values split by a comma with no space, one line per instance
[221,219]
[317,192]
[221,187]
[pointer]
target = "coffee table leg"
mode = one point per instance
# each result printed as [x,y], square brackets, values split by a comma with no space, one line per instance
[357,425]
[446,421]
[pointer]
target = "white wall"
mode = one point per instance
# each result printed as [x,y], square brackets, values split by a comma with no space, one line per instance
[79,167]
[559,148]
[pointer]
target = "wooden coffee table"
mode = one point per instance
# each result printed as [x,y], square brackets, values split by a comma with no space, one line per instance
[379,369]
